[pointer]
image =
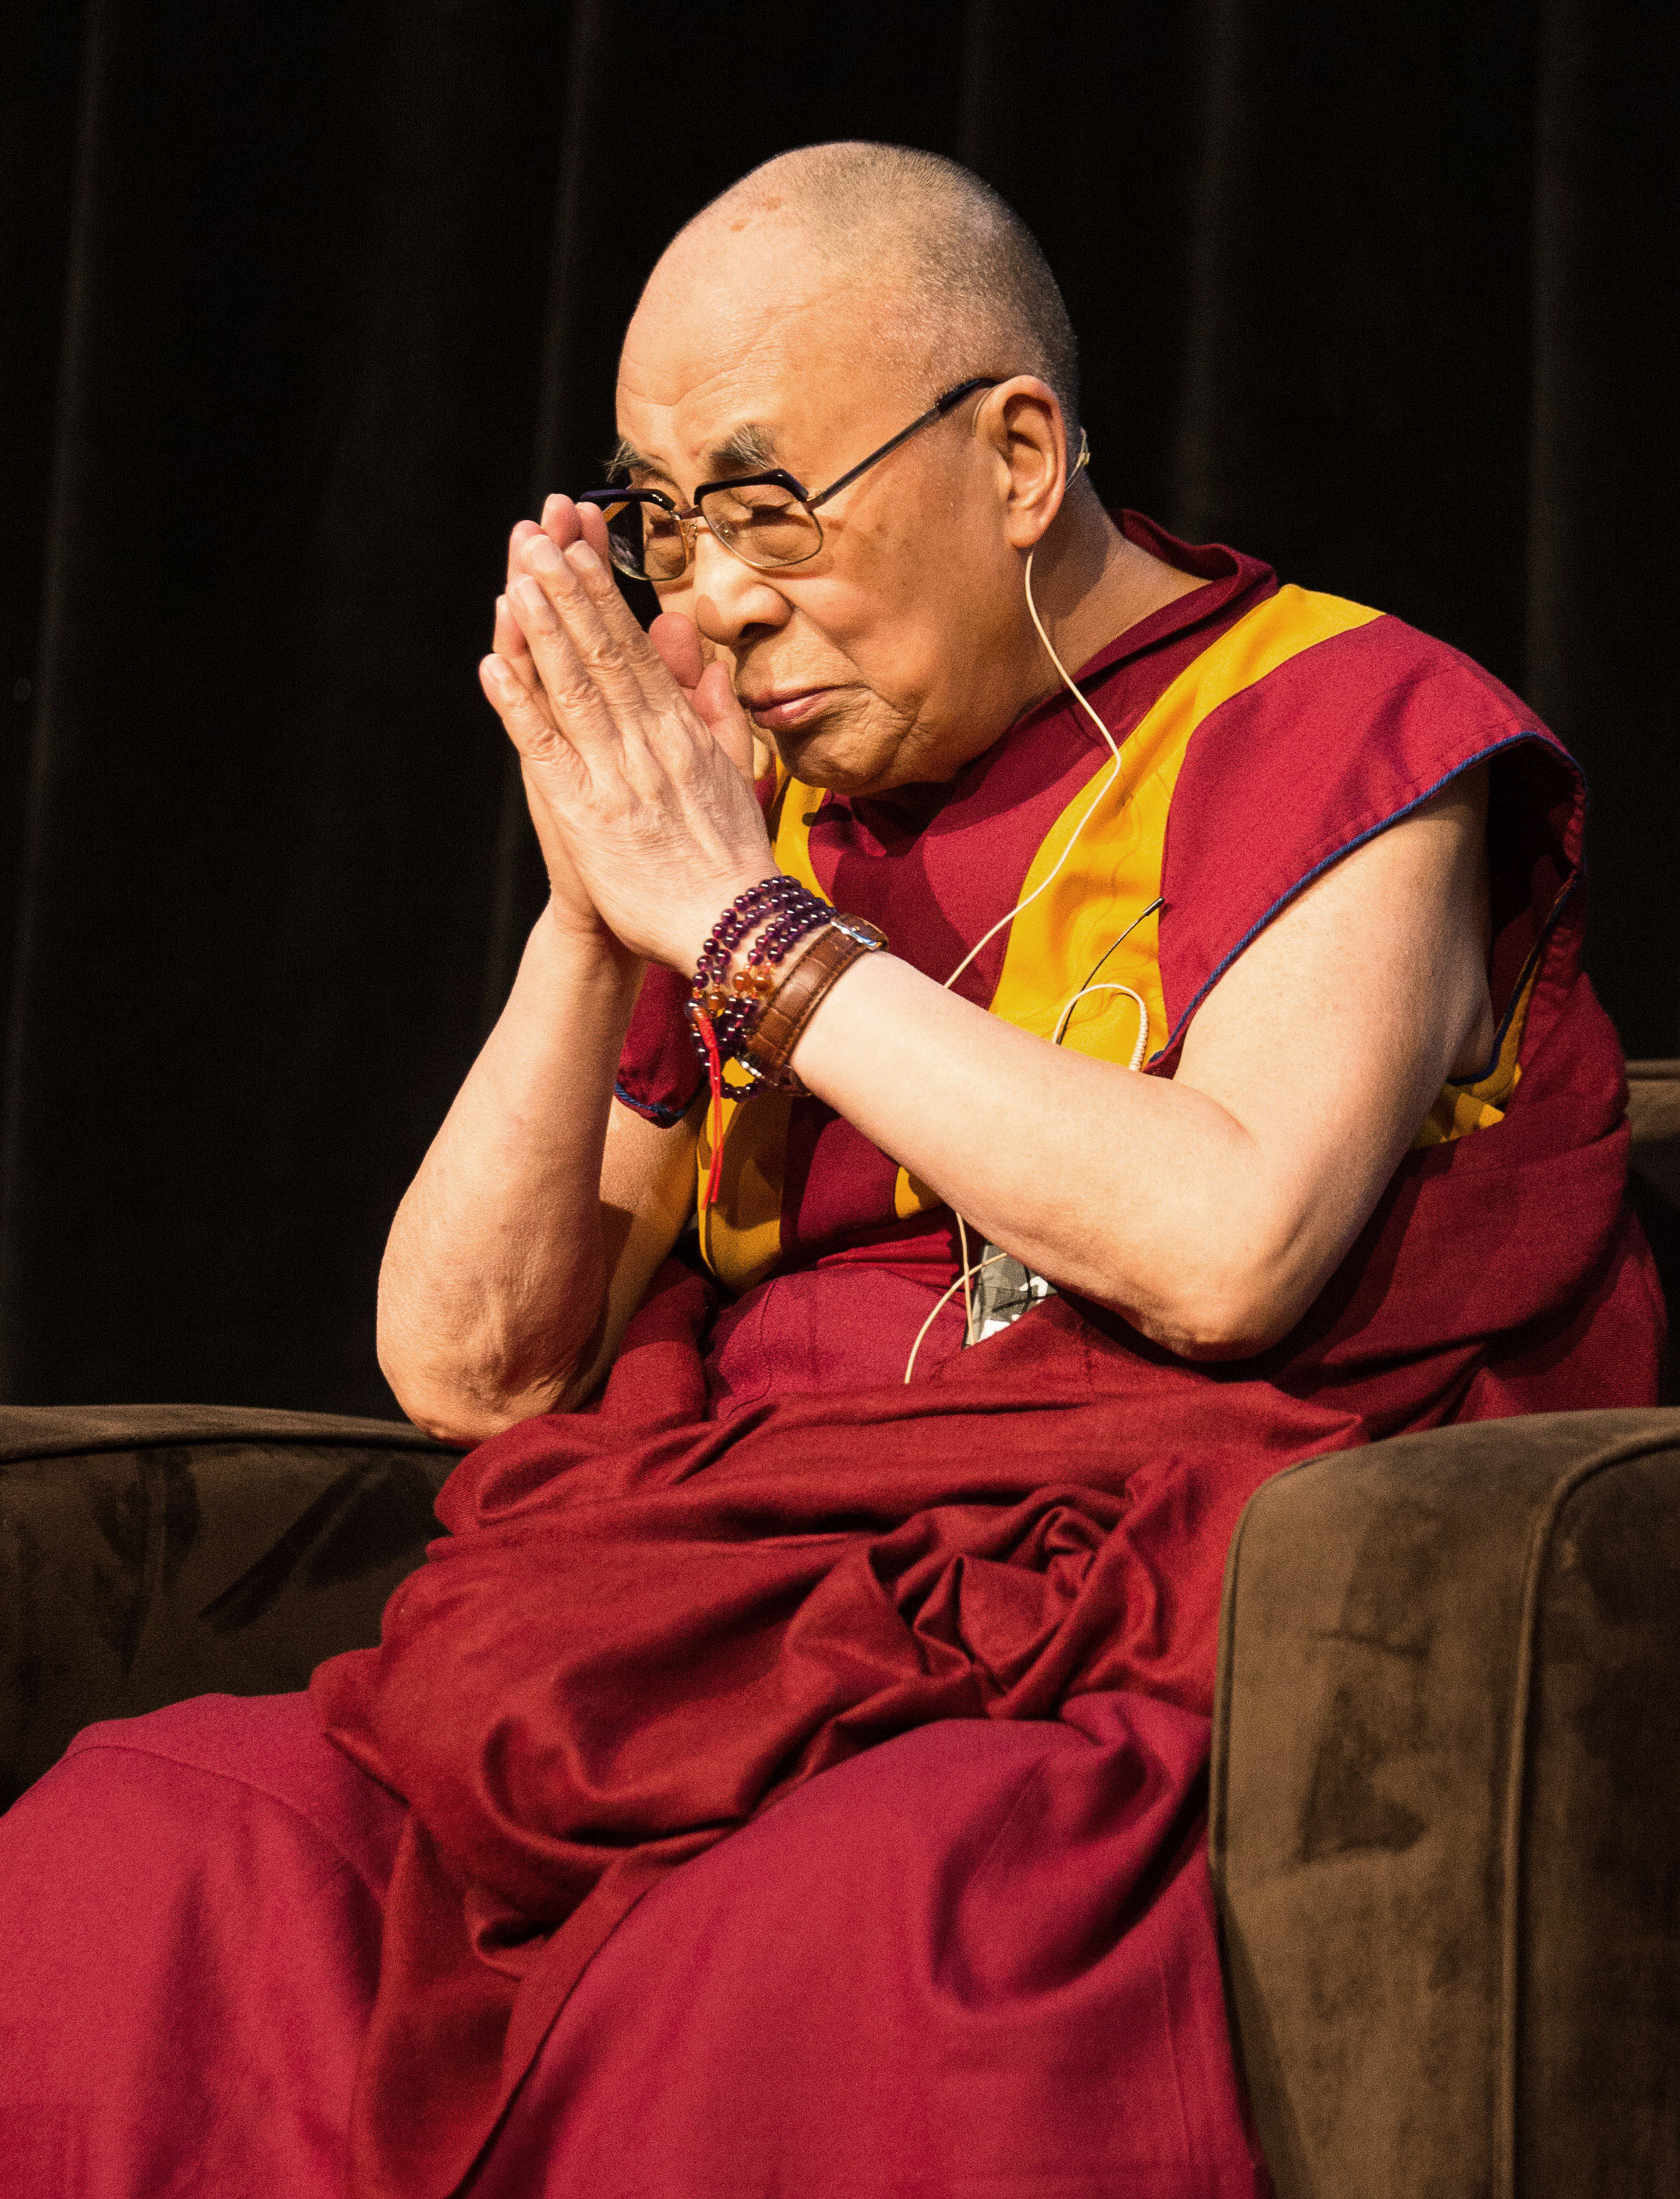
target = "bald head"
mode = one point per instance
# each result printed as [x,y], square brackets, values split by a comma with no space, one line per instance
[956,280]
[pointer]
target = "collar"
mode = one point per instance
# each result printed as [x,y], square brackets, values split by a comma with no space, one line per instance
[1230,580]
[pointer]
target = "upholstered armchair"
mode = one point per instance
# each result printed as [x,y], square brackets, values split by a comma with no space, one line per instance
[1445,1819]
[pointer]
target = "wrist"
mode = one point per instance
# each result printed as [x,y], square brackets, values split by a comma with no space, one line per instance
[583,951]
[775,1034]
[700,923]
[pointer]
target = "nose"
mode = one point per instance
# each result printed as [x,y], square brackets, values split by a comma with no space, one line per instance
[731,599]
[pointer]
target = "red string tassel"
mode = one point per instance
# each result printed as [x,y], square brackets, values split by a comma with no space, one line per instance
[714,1072]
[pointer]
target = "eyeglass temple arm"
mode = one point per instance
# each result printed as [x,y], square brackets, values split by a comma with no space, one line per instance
[952,397]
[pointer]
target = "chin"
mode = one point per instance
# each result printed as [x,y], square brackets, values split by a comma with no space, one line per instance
[821,754]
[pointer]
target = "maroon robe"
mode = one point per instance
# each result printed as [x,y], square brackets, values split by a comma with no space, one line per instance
[911,1681]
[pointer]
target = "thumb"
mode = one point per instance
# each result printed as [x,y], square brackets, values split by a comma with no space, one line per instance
[713,699]
[678,640]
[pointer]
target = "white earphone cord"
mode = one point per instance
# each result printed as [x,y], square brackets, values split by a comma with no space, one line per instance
[965,1279]
[1113,750]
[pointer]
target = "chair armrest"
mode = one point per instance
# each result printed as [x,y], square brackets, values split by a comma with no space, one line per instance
[1446,1820]
[152,1552]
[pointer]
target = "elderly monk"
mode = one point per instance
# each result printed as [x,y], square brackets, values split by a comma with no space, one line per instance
[787,1776]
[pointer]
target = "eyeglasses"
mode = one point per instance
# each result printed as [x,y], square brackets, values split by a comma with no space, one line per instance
[767,519]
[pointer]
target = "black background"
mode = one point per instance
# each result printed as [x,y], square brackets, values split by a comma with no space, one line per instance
[304,304]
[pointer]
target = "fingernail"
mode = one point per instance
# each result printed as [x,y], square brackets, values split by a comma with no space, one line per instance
[542,554]
[549,502]
[528,596]
[584,558]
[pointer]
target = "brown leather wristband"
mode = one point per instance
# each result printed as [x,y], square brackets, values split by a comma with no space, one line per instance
[781,1023]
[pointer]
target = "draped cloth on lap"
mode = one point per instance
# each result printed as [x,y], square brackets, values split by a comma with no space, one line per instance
[979,1959]
[644,1629]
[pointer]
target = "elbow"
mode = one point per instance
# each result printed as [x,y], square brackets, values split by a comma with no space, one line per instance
[466,1418]
[465,1379]
[1223,1310]
[1236,1337]
[459,1407]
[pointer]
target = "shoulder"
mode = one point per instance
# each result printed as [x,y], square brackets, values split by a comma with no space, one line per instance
[1353,722]
[1350,710]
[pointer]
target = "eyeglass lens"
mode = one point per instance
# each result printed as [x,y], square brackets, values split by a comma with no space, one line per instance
[646,542]
[761,524]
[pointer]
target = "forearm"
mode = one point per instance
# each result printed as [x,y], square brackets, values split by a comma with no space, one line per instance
[493,1288]
[1210,1209]
[1129,1189]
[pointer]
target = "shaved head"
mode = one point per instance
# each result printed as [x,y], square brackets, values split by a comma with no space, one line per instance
[961,286]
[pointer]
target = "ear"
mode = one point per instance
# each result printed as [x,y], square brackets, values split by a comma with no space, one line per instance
[1021,421]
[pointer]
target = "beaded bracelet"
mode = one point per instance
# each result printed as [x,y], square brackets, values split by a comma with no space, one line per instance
[787,912]
[724,1009]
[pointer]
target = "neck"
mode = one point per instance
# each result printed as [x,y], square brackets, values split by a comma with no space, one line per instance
[1091,584]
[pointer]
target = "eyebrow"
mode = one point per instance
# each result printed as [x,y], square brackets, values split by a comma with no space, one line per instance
[627,459]
[747,449]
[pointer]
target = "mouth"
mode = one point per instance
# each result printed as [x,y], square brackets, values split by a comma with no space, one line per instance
[782,708]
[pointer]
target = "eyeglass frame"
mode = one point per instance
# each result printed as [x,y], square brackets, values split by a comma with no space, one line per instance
[689,516]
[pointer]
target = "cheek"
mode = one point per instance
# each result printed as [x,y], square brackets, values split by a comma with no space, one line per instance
[876,607]
[887,645]
[921,619]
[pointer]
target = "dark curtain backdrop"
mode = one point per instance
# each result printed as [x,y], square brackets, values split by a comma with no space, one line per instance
[305,304]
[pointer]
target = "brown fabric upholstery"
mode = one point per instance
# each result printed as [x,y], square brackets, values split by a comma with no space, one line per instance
[1446,1812]
[152,1552]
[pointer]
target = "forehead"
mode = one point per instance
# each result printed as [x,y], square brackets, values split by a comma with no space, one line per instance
[747,326]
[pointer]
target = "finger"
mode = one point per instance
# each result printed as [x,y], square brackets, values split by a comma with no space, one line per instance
[593,521]
[565,523]
[560,521]
[677,639]
[645,659]
[606,636]
[577,701]
[525,531]
[527,725]
[505,637]
[508,642]
[715,705]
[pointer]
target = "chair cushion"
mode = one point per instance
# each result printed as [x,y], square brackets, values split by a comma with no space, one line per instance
[152,1552]
[1446,1811]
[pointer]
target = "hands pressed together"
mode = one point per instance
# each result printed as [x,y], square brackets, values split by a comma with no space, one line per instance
[636,756]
